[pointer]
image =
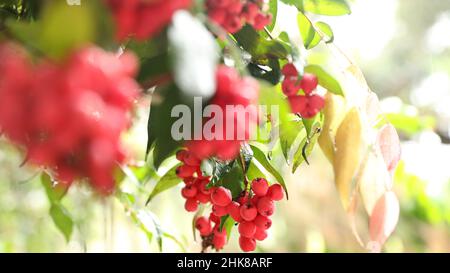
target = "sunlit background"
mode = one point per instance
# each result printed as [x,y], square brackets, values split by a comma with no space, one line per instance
[402,46]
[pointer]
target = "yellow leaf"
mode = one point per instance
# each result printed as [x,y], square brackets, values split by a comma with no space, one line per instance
[348,155]
[334,112]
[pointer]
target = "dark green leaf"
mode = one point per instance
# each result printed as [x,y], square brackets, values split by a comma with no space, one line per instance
[234,180]
[325,79]
[260,48]
[160,123]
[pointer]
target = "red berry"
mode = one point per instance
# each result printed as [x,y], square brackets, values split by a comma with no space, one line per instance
[308,83]
[289,70]
[275,192]
[290,87]
[191,160]
[247,229]
[215,219]
[142,18]
[260,186]
[248,212]
[234,211]
[219,241]
[218,232]
[181,154]
[189,180]
[298,104]
[191,205]
[260,234]
[254,200]
[202,198]
[221,196]
[202,186]
[203,225]
[263,222]
[265,206]
[185,171]
[247,244]
[189,191]
[219,211]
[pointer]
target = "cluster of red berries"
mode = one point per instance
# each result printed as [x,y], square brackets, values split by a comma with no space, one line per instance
[236,97]
[143,19]
[232,15]
[252,210]
[69,116]
[307,105]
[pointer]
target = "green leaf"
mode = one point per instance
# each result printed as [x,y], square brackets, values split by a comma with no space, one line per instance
[326,30]
[270,72]
[54,191]
[160,123]
[270,96]
[273,9]
[325,79]
[310,36]
[62,219]
[262,159]
[409,124]
[260,48]
[62,28]
[227,223]
[314,128]
[321,7]
[327,7]
[287,140]
[234,180]
[168,181]
[220,168]
[254,172]
[246,156]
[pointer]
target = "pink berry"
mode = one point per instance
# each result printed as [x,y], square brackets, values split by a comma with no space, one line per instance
[265,206]
[248,212]
[260,234]
[191,205]
[219,211]
[219,241]
[260,186]
[215,219]
[263,222]
[203,225]
[221,196]
[234,211]
[275,192]
[247,229]
[202,198]
[189,191]
[309,82]
[247,244]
